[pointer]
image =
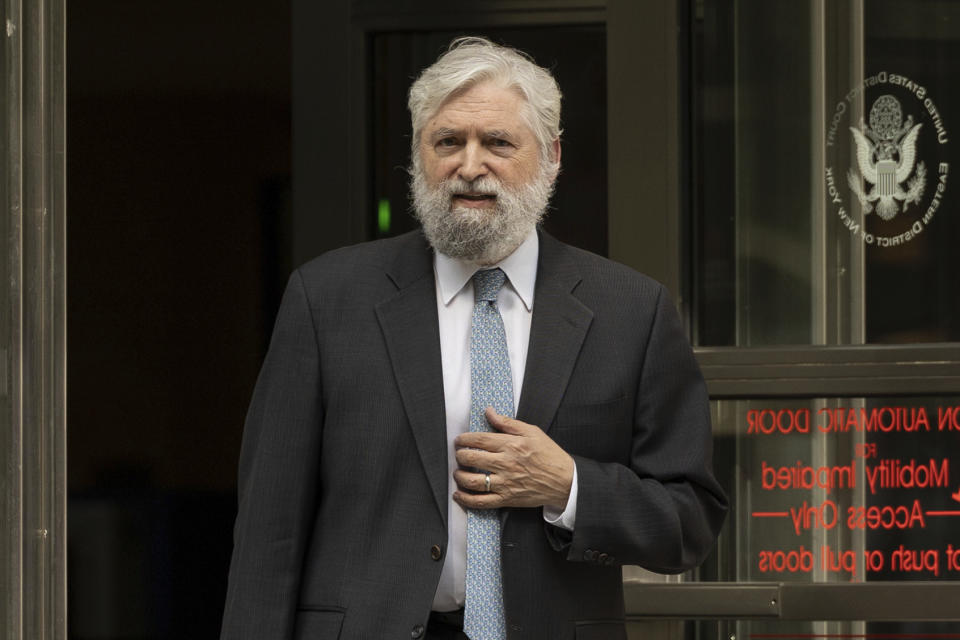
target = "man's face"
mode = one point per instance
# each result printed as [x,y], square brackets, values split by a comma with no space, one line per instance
[477,134]
[480,187]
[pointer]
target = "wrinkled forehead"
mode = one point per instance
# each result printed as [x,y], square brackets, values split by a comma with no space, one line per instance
[483,108]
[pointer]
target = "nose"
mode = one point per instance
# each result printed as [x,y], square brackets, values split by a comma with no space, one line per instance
[473,164]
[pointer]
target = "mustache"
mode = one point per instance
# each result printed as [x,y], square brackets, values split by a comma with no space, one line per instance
[486,185]
[484,235]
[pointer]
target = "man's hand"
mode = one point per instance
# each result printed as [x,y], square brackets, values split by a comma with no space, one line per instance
[526,467]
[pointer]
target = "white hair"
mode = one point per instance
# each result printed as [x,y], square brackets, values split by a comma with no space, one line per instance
[471,61]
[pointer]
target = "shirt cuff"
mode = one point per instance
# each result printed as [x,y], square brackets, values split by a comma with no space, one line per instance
[568,517]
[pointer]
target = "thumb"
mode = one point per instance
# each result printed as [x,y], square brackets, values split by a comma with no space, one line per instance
[505,424]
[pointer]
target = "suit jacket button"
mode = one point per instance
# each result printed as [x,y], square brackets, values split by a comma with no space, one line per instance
[416,632]
[603,558]
[436,552]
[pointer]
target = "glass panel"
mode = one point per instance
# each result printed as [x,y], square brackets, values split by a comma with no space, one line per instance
[911,104]
[822,150]
[751,105]
[839,490]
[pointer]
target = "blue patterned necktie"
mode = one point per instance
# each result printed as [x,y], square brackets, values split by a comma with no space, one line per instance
[491,385]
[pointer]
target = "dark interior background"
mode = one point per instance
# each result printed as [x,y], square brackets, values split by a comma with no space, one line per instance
[188,124]
[179,127]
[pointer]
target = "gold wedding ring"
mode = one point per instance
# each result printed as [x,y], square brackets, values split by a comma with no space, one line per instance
[487,482]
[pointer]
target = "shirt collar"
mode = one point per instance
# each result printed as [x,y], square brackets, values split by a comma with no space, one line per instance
[520,267]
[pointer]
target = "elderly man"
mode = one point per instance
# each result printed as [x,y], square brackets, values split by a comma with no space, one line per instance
[465,432]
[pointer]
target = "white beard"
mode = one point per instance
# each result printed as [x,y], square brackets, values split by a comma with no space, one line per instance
[483,236]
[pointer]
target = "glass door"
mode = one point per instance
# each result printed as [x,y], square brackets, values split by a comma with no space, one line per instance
[825,309]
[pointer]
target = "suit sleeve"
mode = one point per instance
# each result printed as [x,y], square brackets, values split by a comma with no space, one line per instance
[278,477]
[663,511]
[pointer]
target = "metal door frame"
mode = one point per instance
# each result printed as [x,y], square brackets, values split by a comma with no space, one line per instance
[33,325]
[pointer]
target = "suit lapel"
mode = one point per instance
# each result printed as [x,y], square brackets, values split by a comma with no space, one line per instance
[411,330]
[559,326]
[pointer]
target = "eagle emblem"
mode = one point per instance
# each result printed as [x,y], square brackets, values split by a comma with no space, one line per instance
[886,154]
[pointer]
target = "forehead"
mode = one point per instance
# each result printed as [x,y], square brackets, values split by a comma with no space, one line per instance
[484,106]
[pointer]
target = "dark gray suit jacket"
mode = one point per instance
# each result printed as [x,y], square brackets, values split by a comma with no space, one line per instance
[343,471]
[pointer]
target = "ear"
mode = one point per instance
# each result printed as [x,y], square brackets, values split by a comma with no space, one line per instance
[555,156]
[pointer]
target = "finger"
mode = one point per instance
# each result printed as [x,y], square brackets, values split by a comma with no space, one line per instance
[475,482]
[506,424]
[481,440]
[478,459]
[477,500]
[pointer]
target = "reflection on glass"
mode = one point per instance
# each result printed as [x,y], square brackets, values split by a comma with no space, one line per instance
[822,159]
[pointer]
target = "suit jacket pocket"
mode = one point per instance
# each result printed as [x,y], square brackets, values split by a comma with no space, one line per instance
[319,624]
[601,630]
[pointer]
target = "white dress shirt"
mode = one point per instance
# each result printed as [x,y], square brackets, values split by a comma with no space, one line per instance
[455,301]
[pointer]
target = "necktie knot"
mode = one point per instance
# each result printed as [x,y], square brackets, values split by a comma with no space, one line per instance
[487,284]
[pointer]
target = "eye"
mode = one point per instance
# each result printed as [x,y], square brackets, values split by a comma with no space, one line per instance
[447,142]
[500,146]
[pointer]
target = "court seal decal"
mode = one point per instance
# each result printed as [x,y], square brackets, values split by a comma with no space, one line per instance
[892,155]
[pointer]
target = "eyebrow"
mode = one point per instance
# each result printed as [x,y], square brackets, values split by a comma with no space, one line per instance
[498,133]
[446,132]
